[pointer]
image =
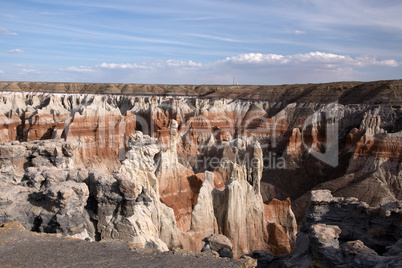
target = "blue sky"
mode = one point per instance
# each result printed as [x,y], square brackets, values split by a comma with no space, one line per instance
[200,41]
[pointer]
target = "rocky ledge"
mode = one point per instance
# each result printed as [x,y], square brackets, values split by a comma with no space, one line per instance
[20,248]
[344,232]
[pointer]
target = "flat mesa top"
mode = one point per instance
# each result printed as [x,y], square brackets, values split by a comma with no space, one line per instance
[376,92]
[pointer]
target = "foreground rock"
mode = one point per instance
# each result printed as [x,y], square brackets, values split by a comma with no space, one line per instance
[342,232]
[55,197]
[219,244]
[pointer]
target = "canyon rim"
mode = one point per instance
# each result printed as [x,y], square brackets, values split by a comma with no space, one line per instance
[164,166]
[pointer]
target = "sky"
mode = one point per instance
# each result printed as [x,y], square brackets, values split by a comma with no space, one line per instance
[260,42]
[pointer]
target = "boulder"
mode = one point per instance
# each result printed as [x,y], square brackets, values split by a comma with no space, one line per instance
[218,243]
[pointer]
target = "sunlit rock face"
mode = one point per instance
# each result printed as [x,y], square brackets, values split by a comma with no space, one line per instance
[166,171]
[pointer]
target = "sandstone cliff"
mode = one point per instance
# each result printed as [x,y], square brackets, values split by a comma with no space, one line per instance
[167,170]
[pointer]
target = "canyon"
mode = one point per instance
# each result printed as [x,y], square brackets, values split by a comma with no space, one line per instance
[165,166]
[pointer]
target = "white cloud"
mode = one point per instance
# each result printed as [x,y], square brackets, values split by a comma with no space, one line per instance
[366,61]
[181,63]
[316,58]
[249,68]
[1,72]
[30,70]
[297,32]
[152,65]
[252,58]
[105,65]
[16,51]
[80,69]
[6,32]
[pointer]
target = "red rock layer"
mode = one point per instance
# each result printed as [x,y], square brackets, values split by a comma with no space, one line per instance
[281,226]
[9,126]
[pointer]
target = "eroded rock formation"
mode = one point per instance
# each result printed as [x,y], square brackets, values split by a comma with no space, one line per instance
[167,171]
[341,232]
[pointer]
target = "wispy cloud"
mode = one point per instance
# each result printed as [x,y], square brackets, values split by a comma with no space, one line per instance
[252,58]
[249,68]
[326,15]
[215,37]
[87,38]
[1,72]
[315,58]
[158,64]
[16,51]
[182,64]
[204,41]
[297,32]
[105,65]
[6,32]
[30,71]
[79,69]
[202,18]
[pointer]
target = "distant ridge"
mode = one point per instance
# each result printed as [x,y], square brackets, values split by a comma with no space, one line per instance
[376,92]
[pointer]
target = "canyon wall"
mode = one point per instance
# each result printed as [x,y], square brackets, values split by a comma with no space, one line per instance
[165,171]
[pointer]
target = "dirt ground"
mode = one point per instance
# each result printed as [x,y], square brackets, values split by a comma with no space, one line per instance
[22,248]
